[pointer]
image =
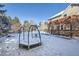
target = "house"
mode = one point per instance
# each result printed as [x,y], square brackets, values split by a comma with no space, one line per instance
[65,22]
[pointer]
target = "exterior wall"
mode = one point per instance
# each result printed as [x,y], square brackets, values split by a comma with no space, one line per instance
[43,26]
[15,27]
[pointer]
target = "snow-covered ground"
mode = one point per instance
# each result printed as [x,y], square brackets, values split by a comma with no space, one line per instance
[52,45]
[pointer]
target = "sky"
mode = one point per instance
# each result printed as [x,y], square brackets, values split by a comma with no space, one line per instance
[36,12]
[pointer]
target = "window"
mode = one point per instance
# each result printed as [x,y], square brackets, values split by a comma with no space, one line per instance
[61,27]
[65,15]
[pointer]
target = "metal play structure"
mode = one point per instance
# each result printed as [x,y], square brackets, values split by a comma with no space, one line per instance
[33,33]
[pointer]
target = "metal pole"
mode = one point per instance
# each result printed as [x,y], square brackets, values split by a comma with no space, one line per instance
[70,30]
[28,38]
[19,36]
[39,35]
[19,39]
[23,34]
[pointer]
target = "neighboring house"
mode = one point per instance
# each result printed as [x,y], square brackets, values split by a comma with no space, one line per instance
[15,27]
[43,26]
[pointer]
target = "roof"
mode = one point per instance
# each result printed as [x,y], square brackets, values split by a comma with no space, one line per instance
[57,14]
[69,11]
[72,10]
[75,4]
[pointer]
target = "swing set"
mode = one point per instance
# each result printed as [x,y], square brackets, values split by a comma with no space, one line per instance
[31,34]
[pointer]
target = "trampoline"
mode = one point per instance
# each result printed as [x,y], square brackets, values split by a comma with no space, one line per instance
[31,39]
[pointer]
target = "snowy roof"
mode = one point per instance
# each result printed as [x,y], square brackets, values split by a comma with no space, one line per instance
[72,11]
[57,14]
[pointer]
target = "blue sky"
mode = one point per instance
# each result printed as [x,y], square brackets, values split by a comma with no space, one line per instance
[34,11]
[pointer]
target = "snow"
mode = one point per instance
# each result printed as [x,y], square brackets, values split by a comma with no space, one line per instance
[52,45]
[57,14]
